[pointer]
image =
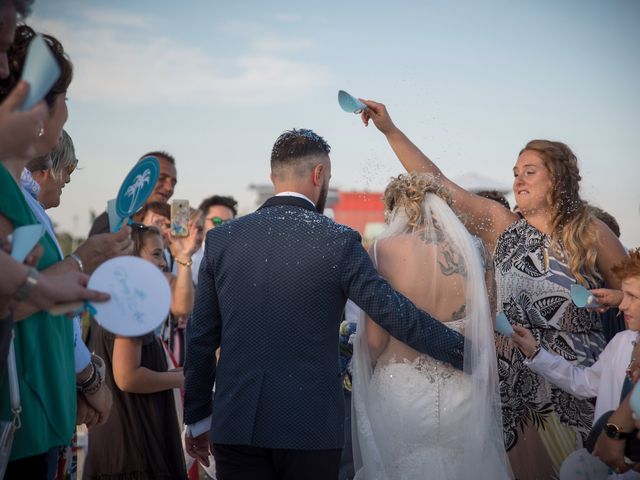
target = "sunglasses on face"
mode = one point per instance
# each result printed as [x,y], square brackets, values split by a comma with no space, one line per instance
[140,226]
[217,221]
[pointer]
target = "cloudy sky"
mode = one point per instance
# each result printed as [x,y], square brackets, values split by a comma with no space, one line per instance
[215,82]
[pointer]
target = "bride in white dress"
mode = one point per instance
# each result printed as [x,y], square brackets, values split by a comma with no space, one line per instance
[416,417]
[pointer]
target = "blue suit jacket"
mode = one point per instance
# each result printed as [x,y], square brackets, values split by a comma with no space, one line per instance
[271,290]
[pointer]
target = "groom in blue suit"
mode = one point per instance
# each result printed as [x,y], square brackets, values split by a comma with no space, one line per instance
[272,287]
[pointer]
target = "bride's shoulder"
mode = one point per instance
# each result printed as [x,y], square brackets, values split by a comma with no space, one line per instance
[396,242]
[391,251]
[389,246]
[403,244]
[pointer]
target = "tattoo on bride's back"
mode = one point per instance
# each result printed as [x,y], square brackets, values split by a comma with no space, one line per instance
[450,264]
[449,260]
[460,313]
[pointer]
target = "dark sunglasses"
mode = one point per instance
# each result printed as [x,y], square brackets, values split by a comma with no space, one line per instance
[139,226]
[217,220]
[144,228]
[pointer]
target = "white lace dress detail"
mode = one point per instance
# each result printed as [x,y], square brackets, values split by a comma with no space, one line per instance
[417,406]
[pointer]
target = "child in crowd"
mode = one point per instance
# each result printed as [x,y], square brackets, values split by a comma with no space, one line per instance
[141,438]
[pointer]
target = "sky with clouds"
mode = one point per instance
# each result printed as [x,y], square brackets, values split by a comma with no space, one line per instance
[470,82]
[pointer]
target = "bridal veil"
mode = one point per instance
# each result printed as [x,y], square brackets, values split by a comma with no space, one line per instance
[481,450]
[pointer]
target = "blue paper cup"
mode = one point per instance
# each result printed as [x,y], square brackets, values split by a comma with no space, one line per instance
[503,326]
[40,71]
[350,104]
[582,298]
[23,239]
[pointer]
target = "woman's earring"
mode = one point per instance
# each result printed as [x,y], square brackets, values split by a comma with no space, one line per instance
[41,132]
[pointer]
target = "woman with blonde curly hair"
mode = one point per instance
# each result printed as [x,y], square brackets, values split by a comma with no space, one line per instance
[552,243]
[413,413]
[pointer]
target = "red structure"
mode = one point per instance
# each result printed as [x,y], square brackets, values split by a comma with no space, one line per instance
[357,209]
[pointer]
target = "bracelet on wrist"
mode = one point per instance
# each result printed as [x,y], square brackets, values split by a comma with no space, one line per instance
[96,379]
[535,353]
[188,263]
[78,260]
[89,379]
[25,289]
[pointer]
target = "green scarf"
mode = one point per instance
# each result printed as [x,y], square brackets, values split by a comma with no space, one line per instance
[44,355]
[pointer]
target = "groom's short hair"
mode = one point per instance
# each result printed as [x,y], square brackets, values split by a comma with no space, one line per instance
[296,148]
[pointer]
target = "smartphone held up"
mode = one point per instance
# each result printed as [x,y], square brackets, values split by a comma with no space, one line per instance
[180,218]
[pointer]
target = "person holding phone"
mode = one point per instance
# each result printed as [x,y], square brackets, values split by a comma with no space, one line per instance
[179,323]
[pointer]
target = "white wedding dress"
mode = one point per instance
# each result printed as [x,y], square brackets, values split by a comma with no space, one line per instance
[416,406]
[416,417]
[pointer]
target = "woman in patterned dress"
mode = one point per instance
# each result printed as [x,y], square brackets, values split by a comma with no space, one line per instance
[552,243]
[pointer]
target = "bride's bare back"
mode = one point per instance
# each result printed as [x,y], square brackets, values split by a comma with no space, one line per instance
[425,268]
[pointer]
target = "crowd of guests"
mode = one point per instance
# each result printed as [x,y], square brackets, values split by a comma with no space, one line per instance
[69,374]
[72,372]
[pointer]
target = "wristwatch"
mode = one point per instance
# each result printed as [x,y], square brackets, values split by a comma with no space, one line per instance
[611,430]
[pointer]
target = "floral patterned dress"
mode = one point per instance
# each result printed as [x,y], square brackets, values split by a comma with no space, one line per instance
[542,423]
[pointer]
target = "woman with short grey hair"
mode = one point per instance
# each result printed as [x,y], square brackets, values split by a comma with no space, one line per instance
[51,172]
[63,157]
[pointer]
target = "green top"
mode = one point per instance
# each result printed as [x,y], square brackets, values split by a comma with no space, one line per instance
[44,354]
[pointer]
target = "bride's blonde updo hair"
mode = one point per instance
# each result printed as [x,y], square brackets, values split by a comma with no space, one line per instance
[407,192]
